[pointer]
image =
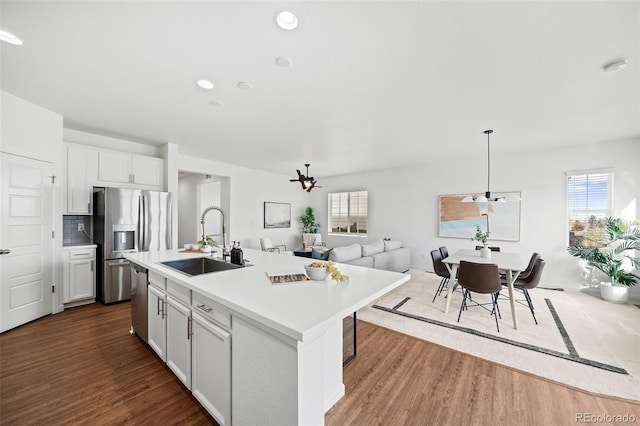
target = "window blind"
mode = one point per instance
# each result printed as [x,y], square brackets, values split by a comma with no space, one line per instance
[348,212]
[588,202]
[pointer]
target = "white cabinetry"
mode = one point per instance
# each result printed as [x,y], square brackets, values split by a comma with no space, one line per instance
[179,331]
[121,167]
[157,323]
[211,359]
[79,275]
[179,340]
[82,164]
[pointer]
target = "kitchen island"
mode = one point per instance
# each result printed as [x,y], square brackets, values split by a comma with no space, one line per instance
[285,339]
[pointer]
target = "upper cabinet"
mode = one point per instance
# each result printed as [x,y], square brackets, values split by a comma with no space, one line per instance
[81,174]
[119,167]
[88,166]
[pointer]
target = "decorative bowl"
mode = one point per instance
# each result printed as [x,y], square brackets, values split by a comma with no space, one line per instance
[316,273]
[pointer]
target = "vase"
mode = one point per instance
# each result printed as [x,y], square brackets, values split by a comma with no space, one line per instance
[614,294]
[485,252]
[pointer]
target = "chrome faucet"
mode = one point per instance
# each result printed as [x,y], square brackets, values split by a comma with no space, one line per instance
[204,237]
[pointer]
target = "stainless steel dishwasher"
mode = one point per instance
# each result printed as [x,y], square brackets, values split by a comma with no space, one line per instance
[139,282]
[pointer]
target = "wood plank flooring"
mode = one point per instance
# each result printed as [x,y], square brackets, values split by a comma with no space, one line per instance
[83,367]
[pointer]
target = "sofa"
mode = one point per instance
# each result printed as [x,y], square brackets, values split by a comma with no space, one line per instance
[388,255]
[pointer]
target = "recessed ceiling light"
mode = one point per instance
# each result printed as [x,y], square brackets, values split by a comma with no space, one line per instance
[283,61]
[217,103]
[9,38]
[287,20]
[205,84]
[245,85]
[616,65]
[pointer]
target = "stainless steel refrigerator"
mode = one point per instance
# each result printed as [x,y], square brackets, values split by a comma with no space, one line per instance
[126,221]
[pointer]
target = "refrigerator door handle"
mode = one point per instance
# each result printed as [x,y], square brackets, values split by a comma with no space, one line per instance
[142,223]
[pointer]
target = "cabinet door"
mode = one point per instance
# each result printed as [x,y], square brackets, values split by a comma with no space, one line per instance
[211,374]
[81,166]
[147,170]
[157,302]
[82,279]
[179,340]
[114,167]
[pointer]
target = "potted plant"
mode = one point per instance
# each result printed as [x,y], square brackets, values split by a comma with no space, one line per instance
[309,226]
[614,259]
[482,237]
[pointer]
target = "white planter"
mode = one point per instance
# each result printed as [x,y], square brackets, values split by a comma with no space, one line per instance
[485,252]
[615,294]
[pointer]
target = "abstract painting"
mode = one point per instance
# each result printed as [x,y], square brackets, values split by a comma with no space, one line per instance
[459,220]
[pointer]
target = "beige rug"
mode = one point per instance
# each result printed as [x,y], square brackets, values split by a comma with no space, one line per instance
[590,344]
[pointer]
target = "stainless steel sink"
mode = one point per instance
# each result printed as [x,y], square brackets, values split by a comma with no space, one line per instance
[200,265]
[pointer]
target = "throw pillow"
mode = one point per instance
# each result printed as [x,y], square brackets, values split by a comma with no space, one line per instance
[345,253]
[371,249]
[392,245]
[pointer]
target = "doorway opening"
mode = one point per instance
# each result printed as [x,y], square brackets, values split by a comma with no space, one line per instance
[196,192]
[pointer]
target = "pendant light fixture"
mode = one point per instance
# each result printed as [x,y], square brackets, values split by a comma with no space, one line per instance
[487,195]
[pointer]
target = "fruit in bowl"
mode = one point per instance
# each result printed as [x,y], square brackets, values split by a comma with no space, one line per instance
[320,270]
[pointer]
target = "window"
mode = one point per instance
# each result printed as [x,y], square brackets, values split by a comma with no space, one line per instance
[348,213]
[588,203]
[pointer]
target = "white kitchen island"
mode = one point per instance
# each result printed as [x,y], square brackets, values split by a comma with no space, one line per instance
[286,339]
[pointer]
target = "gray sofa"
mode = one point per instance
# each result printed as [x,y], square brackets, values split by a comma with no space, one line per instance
[387,255]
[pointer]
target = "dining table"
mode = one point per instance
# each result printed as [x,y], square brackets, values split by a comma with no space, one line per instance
[510,264]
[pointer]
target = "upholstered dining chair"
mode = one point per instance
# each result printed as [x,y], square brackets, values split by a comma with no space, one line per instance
[527,271]
[483,278]
[267,245]
[531,281]
[441,270]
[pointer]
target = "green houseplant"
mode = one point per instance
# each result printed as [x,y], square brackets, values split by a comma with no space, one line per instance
[308,221]
[482,237]
[615,258]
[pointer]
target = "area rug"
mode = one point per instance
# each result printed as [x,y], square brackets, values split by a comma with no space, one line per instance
[580,340]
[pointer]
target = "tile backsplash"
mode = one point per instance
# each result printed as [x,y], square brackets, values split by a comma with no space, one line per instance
[71,234]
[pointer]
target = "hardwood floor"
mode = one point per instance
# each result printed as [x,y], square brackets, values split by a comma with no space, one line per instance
[83,367]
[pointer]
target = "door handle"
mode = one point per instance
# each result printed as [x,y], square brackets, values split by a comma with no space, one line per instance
[5,251]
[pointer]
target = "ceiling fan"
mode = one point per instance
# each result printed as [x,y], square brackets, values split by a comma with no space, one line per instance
[307,182]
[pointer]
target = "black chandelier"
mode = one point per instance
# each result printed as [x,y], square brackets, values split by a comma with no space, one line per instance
[487,195]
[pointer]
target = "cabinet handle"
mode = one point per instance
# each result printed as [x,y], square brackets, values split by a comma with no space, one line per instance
[92,266]
[89,207]
[189,328]
[164,309]
[158,305]
[80,254]
[205,308]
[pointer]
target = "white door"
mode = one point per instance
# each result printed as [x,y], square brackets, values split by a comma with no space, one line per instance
[211,368]
[157,323]
[26,267]
[179,340]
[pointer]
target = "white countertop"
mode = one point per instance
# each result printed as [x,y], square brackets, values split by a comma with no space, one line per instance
[78,246]
[300,310]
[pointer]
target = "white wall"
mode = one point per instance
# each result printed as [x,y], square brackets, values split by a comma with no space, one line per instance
[187,214]
[249,189]
[403,202]
[28,130]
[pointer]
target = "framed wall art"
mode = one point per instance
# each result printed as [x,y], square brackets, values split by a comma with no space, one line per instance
[277,215]
[459,220]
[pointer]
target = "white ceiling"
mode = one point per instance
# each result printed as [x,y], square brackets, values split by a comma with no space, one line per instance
[372,85]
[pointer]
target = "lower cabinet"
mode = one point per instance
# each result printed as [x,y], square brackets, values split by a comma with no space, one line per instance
[79,276]
[192,343]
[157,323]
[211,357]
[179,340]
